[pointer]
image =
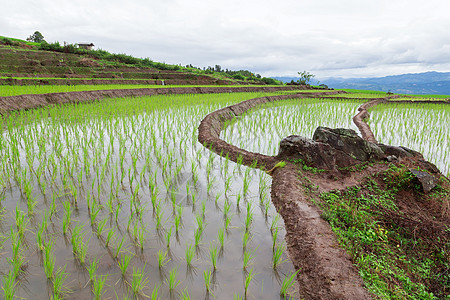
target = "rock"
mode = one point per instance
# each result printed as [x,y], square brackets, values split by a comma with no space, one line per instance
[391,158]
[348,141]
[319,155]
[330,149]
[427,181]
[398,151]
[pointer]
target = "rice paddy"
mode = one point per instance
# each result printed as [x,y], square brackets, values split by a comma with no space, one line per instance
[117,199]
[261,130]
[421,127]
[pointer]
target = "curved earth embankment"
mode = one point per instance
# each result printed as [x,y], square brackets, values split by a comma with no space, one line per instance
[326,270]
[211,126]
[364,128]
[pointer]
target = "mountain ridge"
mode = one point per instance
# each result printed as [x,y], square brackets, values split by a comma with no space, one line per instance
[432,83]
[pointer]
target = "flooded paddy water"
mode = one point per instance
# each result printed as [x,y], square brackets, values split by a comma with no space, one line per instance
[262,130]
[419,126]
[117,199]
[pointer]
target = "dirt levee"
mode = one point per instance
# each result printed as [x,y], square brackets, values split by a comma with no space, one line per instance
[326,271]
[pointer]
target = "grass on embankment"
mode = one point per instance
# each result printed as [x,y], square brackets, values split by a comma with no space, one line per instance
[388,226]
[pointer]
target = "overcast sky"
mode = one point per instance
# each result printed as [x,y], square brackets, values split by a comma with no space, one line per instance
[329,38]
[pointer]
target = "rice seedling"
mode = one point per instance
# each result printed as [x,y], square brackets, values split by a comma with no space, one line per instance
[249,217]
[203,209]
[172,281]
[67,217]
[155,292]
[247,258]
[220,236]
[277,256]
[162,258]
[274,223]
[9,285]
[177,219]
[238,200]
[96,208]
[198,236]
[245,239]
[98,286]
[274,238]
[207,278]
[168,236]
[226,208]
[138,281]
[247,281]
[185,295]
[21,222]
[266,208]
[40,239]
[124,262]
[49,260]
[79,248]
[92,269]
[213,256]
[190,254]
[227,222]
[119,247]
[287,284]
[101,227]
[59,280]
[109,236]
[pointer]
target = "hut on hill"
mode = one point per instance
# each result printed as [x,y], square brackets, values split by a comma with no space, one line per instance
[86,46]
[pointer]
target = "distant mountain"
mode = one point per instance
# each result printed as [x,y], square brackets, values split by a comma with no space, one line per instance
[436,83]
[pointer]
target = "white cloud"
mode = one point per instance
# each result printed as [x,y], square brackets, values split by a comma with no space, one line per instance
[327,37]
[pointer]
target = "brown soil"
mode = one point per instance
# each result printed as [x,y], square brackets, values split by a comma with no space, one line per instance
[326,270]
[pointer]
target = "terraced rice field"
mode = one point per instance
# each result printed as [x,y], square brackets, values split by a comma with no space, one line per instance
[118,199]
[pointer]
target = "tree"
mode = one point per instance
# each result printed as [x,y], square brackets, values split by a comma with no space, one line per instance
[305,77]
[36,37]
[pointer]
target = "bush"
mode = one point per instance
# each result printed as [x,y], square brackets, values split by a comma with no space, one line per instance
[271,81]
[238,77]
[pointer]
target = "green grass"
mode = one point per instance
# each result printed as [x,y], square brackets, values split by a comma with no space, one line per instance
[20,41]
[369,92]
[394,261]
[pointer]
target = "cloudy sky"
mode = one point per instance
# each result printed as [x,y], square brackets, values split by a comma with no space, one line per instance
[329,38]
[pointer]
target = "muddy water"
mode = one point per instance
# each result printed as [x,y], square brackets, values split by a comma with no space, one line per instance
[117,158]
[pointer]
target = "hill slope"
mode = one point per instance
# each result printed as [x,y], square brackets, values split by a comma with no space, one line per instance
[26,63]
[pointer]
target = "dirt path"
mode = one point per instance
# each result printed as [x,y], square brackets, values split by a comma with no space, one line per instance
[326,270]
